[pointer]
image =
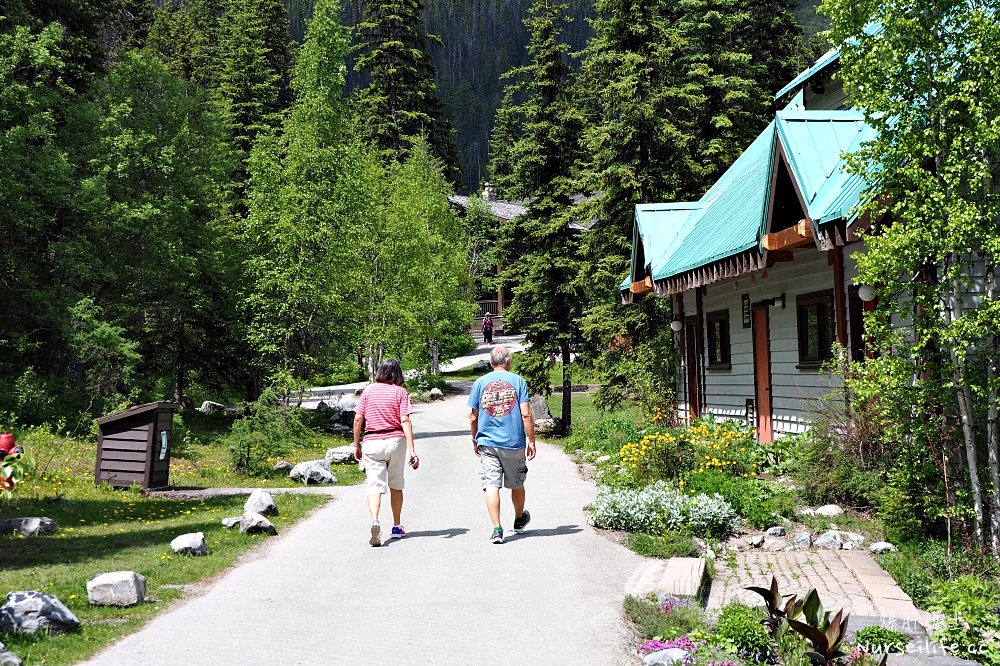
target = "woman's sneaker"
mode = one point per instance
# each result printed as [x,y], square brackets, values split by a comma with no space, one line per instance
[522,522]
[376,539]
[397,532]
[497,535]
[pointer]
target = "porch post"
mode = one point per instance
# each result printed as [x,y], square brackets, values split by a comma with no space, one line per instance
[839,299]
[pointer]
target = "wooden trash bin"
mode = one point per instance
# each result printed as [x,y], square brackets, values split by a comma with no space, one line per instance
[134,446]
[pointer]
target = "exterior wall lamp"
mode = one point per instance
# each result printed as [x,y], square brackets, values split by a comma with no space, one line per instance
[866,293]
[676,324]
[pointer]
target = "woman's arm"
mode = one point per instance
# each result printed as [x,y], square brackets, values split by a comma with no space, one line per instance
[359,421]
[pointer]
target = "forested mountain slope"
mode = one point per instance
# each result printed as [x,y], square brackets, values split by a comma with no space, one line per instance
[482,40]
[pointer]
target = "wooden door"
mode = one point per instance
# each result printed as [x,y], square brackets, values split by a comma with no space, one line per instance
[693,346]
[762,372]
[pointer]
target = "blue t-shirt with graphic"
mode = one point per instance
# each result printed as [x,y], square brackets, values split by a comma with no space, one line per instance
[498,397]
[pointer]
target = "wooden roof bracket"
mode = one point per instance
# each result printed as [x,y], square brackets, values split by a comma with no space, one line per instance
[799,235]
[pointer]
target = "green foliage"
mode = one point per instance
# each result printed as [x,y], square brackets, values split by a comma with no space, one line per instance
[941,189]
[825,472]
[400,103]
[657,508]
[739,627]
[608,435]
[13,468]
[881,639]
[267,429]
[670,544]
[970,626]
[652,622]
[760,503]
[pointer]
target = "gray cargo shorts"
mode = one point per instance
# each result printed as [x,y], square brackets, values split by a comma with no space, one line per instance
[502,467]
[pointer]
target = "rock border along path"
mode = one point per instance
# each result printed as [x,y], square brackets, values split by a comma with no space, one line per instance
[319,594]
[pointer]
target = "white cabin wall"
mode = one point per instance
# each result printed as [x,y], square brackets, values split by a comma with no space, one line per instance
[727,390]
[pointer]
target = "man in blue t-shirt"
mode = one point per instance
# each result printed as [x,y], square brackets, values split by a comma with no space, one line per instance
[503,436]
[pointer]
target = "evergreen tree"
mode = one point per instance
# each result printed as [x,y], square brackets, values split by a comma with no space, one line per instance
[400,100]
[185,38]
[540,247]
[673,92]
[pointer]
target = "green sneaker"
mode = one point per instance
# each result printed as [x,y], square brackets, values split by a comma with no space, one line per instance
[497,535]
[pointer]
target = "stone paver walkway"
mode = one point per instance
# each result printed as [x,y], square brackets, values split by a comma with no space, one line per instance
[319,594]
[851,580]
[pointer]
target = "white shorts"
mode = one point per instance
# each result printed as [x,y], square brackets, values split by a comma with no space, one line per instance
[384,461]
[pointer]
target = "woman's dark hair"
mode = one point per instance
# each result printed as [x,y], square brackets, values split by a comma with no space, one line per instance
[389,372]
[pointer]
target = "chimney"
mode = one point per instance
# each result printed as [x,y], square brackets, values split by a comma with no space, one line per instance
[488,193]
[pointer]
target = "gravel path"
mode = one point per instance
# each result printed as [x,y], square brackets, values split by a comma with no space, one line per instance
[443,595]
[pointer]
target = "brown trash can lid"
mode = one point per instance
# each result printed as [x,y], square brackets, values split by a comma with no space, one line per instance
[138,409]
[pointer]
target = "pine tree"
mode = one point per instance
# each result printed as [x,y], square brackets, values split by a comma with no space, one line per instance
[400,101]
[673,92]
[541,247]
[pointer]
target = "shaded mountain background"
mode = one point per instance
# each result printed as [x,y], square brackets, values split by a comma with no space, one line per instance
[482,40]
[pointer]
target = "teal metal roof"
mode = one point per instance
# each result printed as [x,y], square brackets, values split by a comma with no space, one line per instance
[814,143]
[731,214]
[662,228]
[824,61]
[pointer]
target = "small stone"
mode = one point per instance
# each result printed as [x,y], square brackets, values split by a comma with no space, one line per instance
[358,391]
[602,459]
[880,547]
[756,541]
[282,466]
[229,523]
[699,543]
[709,554]
[436,394]
[775,545]
[210,407]
[775,532]
[829,511]
[547,426]
[28,527]
[340,430]
[31,611]
[830,541]
[313,471]
[321,406]
[261,501]
[192,544]
[254,523]
[802,539]
[665,657]
[848,546]
[806,512]
[853,537]
[117,588]
[340,454]
[8,658]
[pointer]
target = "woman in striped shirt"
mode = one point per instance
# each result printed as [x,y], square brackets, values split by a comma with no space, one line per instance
[383,412]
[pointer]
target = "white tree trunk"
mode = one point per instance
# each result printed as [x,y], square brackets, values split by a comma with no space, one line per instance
[993,418]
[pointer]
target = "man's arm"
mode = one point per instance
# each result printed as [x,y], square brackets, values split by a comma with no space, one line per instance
[474,426]
[529,428]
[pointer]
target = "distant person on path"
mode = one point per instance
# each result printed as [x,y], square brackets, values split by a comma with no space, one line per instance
[383,412]
[503,436]
[488,328]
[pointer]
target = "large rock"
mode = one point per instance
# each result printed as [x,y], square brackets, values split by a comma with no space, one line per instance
[482,366]
[229,523]
[806,512]
[775,545]
[31,611]
[282,466]
[210,407]
[777,531]
[853,537]
[117,588]
[548,426]
[342,411]
[260,501]
[340,430]
[28,527]
[340,454]
[540,409]
[830,541]
[254,523]
[665,657]
[756,541]
[802,540]
[436,394]
[192,544]
[829,511]
[313,471]
[881,547]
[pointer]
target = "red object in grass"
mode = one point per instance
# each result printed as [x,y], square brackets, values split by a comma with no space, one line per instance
[6,448]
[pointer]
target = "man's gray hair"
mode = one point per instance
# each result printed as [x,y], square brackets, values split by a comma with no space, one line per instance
[500,356]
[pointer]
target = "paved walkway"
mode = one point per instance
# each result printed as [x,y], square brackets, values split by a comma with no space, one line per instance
[443,595]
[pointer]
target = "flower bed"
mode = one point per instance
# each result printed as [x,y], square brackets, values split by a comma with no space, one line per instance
[657,508]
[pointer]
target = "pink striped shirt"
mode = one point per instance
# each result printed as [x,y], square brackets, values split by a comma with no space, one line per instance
[383,407]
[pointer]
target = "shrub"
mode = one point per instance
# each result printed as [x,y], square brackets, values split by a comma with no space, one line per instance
[759,502]
[825,473]
[706,444]
[881,639]
[916,565]
[608,435]
[970,626]
[268,428]
[654,621]
[909,574]
[656,508]
[740,628]
[671,544]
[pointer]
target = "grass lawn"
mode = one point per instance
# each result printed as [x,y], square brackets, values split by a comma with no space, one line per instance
[102,530]
[585,414]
